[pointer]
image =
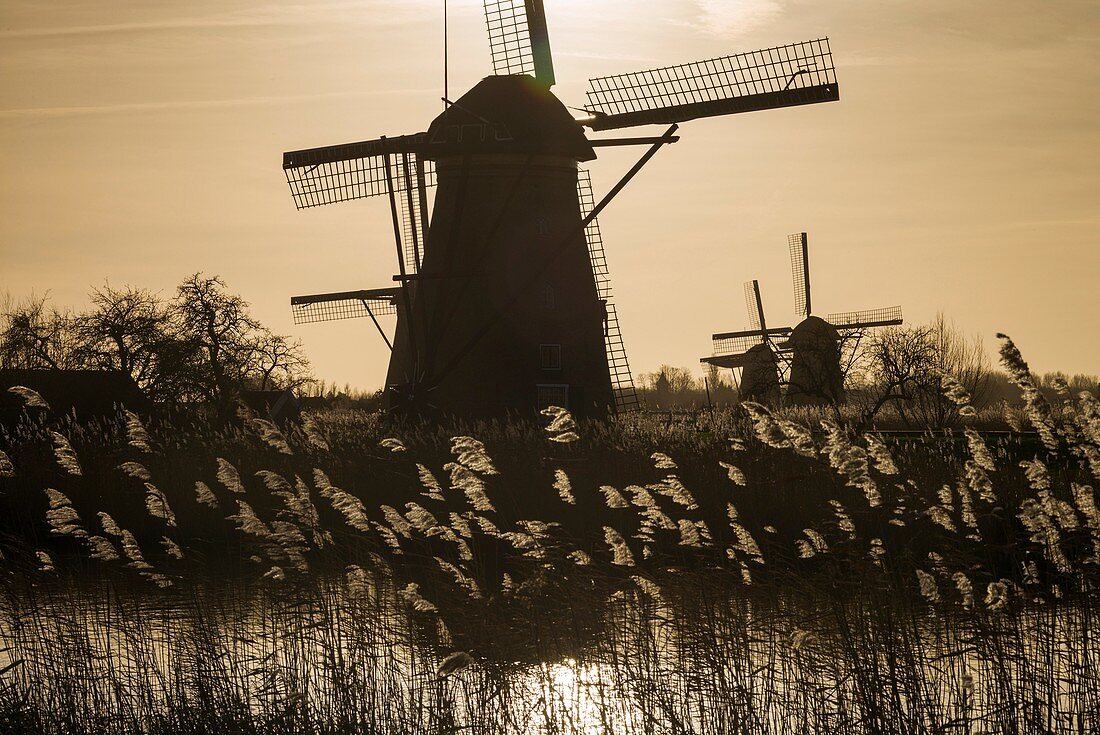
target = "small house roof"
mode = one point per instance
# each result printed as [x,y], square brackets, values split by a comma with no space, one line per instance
[89,394]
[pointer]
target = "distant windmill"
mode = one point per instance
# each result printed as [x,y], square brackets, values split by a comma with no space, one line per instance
[503,301]
[753,350]
[813,347]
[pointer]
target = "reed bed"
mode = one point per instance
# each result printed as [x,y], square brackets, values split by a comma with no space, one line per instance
[739,572]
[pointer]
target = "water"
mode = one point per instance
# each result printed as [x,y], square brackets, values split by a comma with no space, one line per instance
[708,656]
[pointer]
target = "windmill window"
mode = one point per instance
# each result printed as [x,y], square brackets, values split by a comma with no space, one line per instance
[542,229]
[550,357]
[552,395]
[548,298]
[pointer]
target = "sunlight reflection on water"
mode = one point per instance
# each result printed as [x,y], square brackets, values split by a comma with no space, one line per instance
[650,668]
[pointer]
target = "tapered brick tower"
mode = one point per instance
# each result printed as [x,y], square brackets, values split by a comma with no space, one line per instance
[504,314]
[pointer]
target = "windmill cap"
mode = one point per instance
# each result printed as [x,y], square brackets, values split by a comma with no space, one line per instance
[507,114]
[810,331]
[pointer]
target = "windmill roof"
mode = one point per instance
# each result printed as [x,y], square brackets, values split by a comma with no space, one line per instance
[812,329]
[507,114]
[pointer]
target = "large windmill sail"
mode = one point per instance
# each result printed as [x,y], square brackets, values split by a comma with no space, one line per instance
[885,317]
[784,76]
[411,174]
[342,173]
[327,307]
[518,40]
[622,382]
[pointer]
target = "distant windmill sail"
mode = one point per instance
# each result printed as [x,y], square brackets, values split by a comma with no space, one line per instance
[751,295]
[732,343]
[784,76]
[800,272]
[757,307]
[885,317]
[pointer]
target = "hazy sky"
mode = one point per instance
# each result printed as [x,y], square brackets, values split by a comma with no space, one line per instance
[141,141]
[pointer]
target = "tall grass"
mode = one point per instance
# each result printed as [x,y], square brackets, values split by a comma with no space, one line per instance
[744,572]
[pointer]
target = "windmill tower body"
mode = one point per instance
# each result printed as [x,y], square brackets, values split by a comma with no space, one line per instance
[760,375]
[504,313]
[816,375]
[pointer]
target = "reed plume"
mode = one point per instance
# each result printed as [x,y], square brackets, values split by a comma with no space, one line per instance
[31,398]
[137,436]
[66,457]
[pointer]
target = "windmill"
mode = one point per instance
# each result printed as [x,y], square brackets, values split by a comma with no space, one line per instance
[812,350]
[753,350]
[503,301]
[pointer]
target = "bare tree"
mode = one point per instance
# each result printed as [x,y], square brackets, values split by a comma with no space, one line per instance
[218,330]
[672,387]
[964,359]
[201,346]
[907,366]
[230,350]
[34,335]
[131,330]
[279,362]
[899,363]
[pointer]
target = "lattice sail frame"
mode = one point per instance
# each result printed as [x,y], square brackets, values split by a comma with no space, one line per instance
[751,306]
[343,173]
[800,273]
[795,74]
[509,37]
[413,207]
[345,305]
[735,345]
[622,381]
[884,317]
[587,201]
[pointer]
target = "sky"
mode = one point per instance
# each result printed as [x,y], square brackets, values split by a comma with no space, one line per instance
[141,142]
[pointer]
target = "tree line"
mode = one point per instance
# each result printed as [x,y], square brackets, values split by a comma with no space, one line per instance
[900,371]
[199,345]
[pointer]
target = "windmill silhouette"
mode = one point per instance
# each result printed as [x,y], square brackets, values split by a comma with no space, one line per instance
[503,301]
[754,350]
[806,357]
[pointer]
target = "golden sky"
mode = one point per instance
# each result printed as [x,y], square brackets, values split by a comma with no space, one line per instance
[141,142]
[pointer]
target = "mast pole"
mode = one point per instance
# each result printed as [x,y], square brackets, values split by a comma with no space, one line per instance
[446,91]
[806,270]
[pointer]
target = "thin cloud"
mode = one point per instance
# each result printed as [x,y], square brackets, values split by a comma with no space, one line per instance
[601,56]
[59,112]
[291,15]
[733,17]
